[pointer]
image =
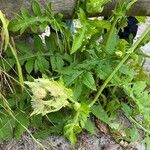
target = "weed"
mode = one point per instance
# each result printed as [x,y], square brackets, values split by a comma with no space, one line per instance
[91,72]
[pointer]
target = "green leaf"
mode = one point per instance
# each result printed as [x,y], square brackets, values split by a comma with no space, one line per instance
[95,6]
[23,122]
[126,109]
[111,40]
[82,16]
[29,66]
[138,94]
[23,48]
[21,24]
[58,118]
[75,125]
[128,71]
[130,4]
[73,75]
[88,64]
[57,62]
[25,14]
[8,64]
[112,106]
[33,28]
[104,69]
[78,39]
[147,142]
[43,26]
[51,42]
[90,126]
[38,44]
[77,90]
[36,20]
[139,87]
[6,127]
[134,134]
[123,6]
[100,113]
[53,62]
[145,40]
[41,64]
[45,133]
[141,19]
[89,81]
[36,8]
[36,121]
[100,24]
[70,131]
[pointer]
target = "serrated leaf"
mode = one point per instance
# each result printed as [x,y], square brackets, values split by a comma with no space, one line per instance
[24,49]
[139,95]
[41,64]
[45,133]
[6,127]
[95,6]
[90,126]
[70,131]
[23,122]
[43,26]
[9,64]
[29,66]
[38,44]
[73,75]
[22,24]
[126,109]
[57,62]
[147,142]
[77,90]
[139,87]
[33,28]
[89,81]
[111,41]
[100,24]
[36,8]
[53,62]
[78,39]
[25,13]
[134,134]
[100,113]
[36,121]
[51,42]
[87,64]
[75,125]
[127,70]
[104,69]
[82,16]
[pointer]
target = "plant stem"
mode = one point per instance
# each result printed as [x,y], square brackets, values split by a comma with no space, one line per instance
[33,56]
[131,50]
[138,124]
[20,75]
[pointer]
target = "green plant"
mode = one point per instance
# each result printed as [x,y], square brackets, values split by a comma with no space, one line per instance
[79,75]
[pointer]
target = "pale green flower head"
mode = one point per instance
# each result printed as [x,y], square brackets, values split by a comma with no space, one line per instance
[49,95]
